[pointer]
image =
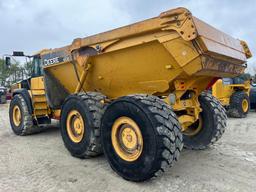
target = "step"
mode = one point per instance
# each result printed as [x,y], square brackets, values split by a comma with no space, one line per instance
[40,92]
[41,112]
[39,99]
[40,105]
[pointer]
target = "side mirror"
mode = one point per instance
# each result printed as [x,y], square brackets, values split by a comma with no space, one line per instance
[7,61]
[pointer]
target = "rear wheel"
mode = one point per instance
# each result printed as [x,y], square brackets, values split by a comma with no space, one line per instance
[80,124]
[239,105]
[141,137]
[21,119]
[210,126]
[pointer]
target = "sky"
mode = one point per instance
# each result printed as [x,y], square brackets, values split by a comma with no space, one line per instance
[32,25]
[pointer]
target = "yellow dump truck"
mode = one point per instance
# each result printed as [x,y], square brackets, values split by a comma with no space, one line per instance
[234,95]
[136,93]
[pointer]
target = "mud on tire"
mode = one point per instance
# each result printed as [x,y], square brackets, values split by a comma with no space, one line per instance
[91,108]
[162,138]
[213,126]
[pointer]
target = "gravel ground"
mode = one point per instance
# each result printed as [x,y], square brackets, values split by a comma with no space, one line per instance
[41,163]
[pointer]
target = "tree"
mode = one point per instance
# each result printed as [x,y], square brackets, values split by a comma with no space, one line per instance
[13,73]
[28,68]
[3,72]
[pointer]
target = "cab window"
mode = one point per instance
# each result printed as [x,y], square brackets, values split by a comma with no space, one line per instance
[37,66]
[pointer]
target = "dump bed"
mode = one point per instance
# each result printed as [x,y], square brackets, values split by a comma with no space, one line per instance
[175,45]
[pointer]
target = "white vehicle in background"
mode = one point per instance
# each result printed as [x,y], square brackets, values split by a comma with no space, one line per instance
[3,93]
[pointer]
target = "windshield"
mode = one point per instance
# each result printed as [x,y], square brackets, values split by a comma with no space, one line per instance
[37,66]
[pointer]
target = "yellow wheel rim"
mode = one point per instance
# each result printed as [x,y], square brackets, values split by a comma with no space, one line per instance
[127,139]
[195,128]
[245,105]
[75,126]
[16,115]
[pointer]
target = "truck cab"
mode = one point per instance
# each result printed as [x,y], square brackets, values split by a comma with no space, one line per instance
[32,91]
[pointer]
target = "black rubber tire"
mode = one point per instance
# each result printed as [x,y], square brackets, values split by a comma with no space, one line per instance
[91,108]
[235,108]
[214,124]
[26,126]
[160,130]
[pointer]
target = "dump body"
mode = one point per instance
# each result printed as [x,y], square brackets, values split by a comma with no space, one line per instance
[174,53]
[147,57]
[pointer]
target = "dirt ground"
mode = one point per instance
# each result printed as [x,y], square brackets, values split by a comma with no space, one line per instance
[41,163]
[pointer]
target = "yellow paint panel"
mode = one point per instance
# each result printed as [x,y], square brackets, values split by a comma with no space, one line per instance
[183,51]
[116,73]
[37,83]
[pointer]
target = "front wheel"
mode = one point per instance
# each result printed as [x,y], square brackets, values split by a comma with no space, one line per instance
[210,126]
[141,137]
[21,119]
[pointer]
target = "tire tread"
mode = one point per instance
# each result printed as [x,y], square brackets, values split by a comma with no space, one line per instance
[168,129]
[219,114]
